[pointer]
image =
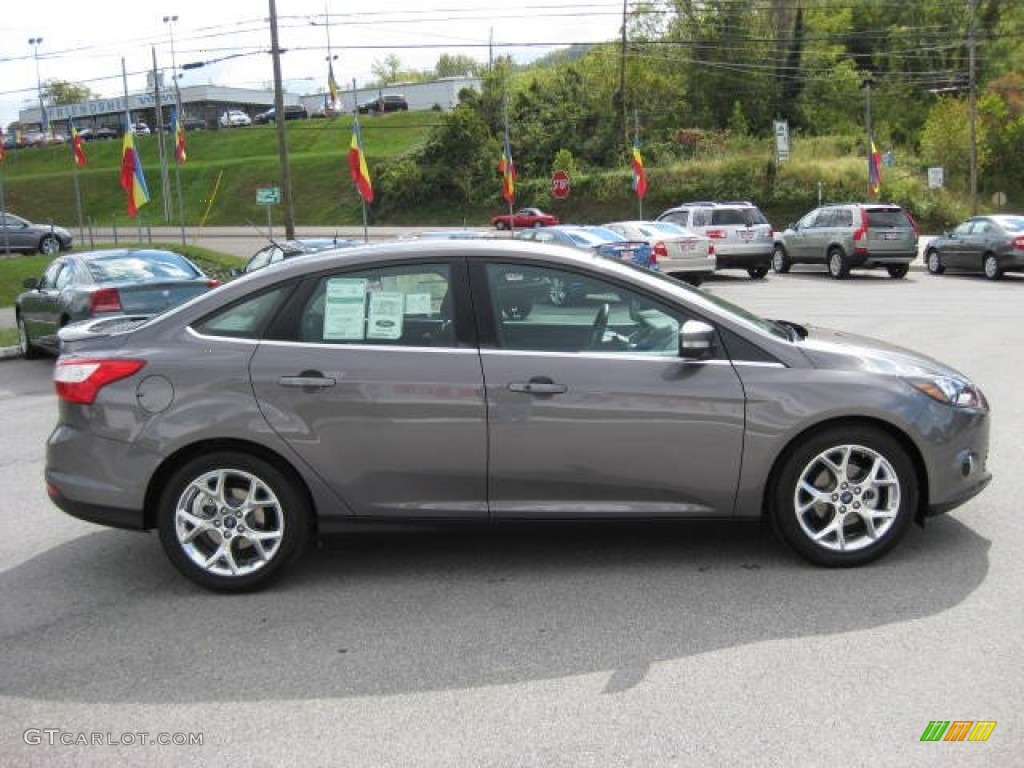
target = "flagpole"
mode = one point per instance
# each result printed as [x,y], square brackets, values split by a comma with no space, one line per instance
[636,142]
[78,201]
[128,127]
[355,121]
[511,198]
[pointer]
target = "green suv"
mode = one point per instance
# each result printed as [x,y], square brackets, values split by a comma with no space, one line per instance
[845,236]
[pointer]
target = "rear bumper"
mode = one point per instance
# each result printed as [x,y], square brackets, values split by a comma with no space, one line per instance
[113,517]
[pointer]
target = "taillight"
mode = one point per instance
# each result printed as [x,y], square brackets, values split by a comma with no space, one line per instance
[1018,244]
[104,300]
[659,251]
[917,229]
[711,249]
[717,234]
[212,282]
[79,380]
[861,231]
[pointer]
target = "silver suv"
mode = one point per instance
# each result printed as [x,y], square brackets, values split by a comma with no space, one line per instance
[741,234]
[846,236]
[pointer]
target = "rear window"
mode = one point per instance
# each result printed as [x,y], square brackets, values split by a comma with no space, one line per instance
[887,217]
[1015,224]
[741,217]
[141,266]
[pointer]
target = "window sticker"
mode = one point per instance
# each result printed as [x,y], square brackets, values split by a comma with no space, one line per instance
[344,309]
[417,304]
[384,320]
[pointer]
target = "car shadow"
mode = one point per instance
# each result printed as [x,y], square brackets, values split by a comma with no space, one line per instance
[104,618]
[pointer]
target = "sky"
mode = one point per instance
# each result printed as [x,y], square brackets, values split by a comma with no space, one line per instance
[84,43]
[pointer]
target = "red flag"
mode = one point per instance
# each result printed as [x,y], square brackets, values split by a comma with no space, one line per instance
[133,182]
[508,173]
[357,164]
[639,174]
[179,141]
[77,146]
[874,170]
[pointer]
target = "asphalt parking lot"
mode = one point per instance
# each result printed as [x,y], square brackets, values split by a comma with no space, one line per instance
[665,645]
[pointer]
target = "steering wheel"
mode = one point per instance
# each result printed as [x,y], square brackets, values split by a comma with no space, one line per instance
[600,326]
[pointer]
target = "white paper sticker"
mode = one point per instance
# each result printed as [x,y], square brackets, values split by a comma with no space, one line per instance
[384,320]
[344,309]
[417,304]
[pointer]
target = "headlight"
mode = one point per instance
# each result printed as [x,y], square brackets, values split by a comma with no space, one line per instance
[950,391]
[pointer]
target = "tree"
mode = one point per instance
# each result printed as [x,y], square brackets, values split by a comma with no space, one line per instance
[387,70]
[945,139]
[61,92]
[450,65]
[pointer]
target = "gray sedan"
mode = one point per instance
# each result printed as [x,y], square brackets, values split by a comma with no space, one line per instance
[92,284]
[990,244]
[18,234]
[384,383]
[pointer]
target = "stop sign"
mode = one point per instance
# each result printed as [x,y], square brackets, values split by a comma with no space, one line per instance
[560,184]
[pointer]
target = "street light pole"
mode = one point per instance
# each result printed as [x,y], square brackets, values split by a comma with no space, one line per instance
[179,122]
[282,135]
[43,122]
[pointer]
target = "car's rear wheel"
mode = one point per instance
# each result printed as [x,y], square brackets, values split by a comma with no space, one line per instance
[992,269]
[897,271]
[538,224]
[934,261]
[780,260]
[838,266]
[231,521]
[845,497]
[757,273]
[28,350]
[49,245]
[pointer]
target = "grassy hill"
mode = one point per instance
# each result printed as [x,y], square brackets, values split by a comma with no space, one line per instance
[226,167]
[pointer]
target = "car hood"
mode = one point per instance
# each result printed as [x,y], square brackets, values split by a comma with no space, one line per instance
[839,350]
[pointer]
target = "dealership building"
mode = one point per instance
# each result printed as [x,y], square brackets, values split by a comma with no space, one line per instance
[207,103]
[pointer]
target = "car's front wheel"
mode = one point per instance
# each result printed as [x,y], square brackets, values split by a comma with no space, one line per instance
[49,246]
[780,260]
[934,261]
[231,521]
[845,496]
[28,350]
[992,269]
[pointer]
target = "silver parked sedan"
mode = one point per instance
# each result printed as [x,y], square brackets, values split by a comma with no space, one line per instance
[677,250]
[384,383]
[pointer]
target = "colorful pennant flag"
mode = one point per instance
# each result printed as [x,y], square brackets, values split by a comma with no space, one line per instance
[639,173]
[77,146]
[357,164]
[508,173]
[874,170]
[180,154]
[133,182]
[332,84]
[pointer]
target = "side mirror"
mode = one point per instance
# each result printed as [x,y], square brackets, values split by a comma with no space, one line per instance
[30,284]
[696,340]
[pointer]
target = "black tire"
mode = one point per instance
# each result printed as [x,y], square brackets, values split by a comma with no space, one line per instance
[830,529]
[838,266]
[757,273]
[780,260]
[195,525]
[897,271]
[49,246]
[28,349]
[991,266]
[934,262]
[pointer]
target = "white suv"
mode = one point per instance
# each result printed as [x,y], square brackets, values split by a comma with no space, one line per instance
[741,234]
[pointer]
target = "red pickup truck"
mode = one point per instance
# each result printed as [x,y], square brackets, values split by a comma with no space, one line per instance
[525,218]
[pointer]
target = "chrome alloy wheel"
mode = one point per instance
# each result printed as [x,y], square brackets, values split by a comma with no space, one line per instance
[229,522]
[847,498]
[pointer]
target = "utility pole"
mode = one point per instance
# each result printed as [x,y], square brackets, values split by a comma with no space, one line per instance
[972,105]
[622,77]
[282,135]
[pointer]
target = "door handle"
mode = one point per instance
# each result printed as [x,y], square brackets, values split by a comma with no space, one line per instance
[307,380]
[538,386]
